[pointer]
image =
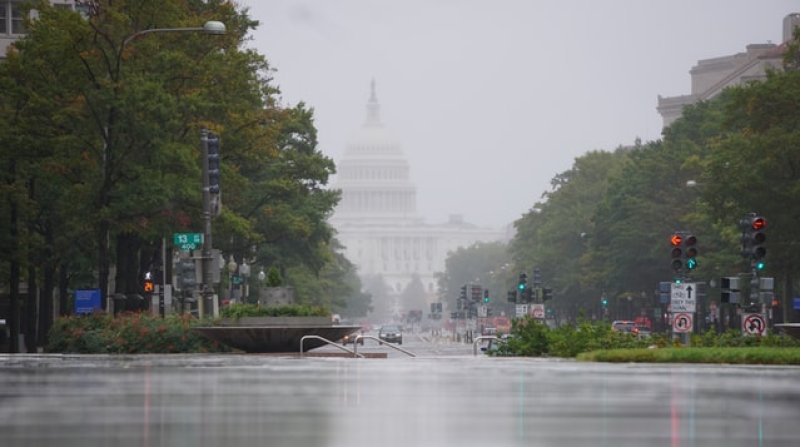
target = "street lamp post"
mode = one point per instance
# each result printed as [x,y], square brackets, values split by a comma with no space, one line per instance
[211,27]
[244,271]
[231,270]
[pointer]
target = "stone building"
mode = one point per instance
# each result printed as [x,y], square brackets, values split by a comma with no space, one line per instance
[377,222]
[711,76]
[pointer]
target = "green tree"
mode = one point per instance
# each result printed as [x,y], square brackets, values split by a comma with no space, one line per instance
[484,263]
[554,236]
[101,126]
[753,167]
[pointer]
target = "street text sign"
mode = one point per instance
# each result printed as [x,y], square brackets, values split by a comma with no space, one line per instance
[87,301]
[187,241]
[683,297]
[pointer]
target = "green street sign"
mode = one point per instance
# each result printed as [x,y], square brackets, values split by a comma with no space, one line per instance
[187,241]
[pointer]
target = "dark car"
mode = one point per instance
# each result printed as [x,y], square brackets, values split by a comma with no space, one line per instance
[391,334]
[351,338]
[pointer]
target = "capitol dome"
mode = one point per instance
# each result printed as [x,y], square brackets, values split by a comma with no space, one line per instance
[374,175]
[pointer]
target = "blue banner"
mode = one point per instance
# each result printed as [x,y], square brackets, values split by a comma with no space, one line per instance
[87,301]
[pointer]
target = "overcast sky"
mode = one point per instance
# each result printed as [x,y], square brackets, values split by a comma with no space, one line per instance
[491,99]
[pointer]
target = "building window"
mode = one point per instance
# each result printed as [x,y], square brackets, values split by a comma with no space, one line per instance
[3,18]
[17,19]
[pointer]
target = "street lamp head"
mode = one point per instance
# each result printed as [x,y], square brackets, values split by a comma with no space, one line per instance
[214,27]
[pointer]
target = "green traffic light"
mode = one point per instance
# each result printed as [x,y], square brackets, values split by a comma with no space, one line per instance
[691,263]
[760,265]
[521,286]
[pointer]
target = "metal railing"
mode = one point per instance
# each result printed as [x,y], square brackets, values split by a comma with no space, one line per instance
[393,346]
[355,354]
[477,339]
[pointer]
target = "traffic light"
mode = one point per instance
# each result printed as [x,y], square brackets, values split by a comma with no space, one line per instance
[511,296]
[677,252]
[463,294]
[148,285]
[522,283]
[547,294]
[683,246]
[604,301]
[187,278]
[486,298]
[537,277]
[213,163]
[527,295]
[753,238]
[475,293]
[690,251]
[729,290]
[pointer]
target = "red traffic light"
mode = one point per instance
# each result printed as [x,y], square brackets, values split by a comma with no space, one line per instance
[759,223]
[676,239]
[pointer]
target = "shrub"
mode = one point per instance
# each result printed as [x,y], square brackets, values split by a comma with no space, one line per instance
[239,310]
[128,333]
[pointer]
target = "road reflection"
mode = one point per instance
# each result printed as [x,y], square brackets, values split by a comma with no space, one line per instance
[426,401]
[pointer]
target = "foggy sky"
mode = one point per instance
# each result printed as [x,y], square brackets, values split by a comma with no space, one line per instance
[491,99]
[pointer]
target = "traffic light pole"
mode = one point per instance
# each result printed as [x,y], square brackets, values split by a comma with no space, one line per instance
[206,302]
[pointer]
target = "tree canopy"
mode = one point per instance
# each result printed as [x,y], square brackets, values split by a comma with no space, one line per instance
[100,125]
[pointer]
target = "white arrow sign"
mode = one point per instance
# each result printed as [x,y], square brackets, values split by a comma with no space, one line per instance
[683,297]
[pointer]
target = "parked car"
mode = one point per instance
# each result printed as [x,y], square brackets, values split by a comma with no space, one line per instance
[391,334]
[642,331]
[623,326]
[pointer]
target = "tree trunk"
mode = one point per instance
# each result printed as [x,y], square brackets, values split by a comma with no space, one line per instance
[63,290]
[31,308]
[46,294]
[13,299]
[128,264]
[32,304]
[788,300]
[102,262]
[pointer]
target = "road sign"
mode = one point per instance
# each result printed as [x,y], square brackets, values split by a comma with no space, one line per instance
[481,311]
[187,241]
[683,297]
[537,310]
[754,324]
[522,310]
[683,322]
[87,301]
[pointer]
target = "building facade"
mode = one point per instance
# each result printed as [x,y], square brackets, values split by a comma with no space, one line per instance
[711,76]
[376,219]
[12,20]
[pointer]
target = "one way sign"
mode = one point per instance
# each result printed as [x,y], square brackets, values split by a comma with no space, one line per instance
[683,297]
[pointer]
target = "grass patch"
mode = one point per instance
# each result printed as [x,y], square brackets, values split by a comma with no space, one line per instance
[734,356]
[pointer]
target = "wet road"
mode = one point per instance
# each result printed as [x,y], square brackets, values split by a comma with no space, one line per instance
[443,397]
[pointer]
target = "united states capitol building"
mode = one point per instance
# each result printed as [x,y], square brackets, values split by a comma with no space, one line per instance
[377,221]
